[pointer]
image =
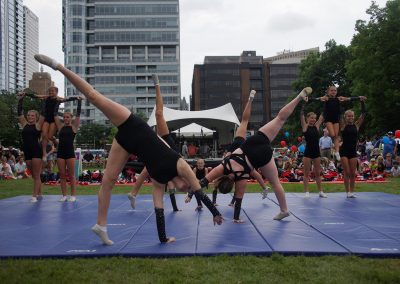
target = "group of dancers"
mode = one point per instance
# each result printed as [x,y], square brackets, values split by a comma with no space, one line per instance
[164,165]
[38,128]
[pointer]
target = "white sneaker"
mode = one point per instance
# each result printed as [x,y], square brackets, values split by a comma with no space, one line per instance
[281,215]
[351,195]
[132,199]
[63,199]
[307,195]
[304,93]
[102,235]
[337,156]
[72,199]
[323,194]
[156,81]
[45,60]
[33,199]
[264,193]
[252,94]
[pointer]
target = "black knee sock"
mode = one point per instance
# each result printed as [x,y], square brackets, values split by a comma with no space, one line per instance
[214,195]
[233,200]
[198,200]
[207,202]
[238,207]
[160,219]
[173,201]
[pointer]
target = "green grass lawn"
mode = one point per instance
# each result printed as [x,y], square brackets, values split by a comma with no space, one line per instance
[218,269]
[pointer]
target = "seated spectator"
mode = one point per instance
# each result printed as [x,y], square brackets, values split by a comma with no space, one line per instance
[395,171]
[20,169]
[388,162]
[5,170]
[88,156]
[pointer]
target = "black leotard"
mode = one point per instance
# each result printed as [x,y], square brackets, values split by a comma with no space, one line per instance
[170,141]
[136,137]
[50,105]
[30,140]
[200,173]
[236,143]
[66,143]
[312,142]
[349,145]
[332,110]
[258,149]
[241,160]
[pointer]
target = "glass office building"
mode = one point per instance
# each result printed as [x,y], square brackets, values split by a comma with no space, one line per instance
[117,45]
[12,75]
[31,44]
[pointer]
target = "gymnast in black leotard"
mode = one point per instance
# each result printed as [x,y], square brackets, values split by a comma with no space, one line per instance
[31,132]
[65,150]
[311,160]
[134,137]
[348,149]
[255,153]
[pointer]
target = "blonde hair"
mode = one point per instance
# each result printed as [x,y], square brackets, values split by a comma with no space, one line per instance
[68,113]
[35,112]
[310,114]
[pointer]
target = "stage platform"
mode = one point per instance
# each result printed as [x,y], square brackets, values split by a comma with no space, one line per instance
[367,225]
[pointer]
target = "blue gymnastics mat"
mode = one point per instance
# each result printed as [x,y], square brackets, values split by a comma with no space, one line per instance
[367,225]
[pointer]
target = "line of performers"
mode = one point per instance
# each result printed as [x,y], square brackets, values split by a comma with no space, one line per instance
[167,169]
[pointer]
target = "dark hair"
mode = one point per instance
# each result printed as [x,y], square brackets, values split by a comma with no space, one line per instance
[224,184]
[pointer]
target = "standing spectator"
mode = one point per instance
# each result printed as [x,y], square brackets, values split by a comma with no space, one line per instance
[388,162]
[20,169]
[192,150]
[204,150]
[368,147]
[390,146]
[185,152]
[325,145]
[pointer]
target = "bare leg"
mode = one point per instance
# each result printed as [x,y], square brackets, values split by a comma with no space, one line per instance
[71,171]
[45,138]
[272,128]
[242,129]
[317,172]
[136,187]
[306,177]
[270,172]
[346,173]
[353,167]
[333,130]
[162,127]
[61,164]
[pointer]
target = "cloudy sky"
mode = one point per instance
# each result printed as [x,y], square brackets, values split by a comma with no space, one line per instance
[227,27]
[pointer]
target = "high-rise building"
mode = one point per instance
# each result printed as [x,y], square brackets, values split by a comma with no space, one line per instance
[229,79]
[283,70]
[40,82]
[31,43]
[117,45]
[12,76]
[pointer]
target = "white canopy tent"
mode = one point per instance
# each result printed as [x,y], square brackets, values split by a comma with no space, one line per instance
[223,119]
[194,129]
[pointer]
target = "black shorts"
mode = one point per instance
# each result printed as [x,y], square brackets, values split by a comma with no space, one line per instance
[136,137]
[257,149]
[33,153]
[312,153]
[236,143]
[347,154]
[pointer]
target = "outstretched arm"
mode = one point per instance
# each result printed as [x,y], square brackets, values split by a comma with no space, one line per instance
[303,119]
[360,120]
[20,110]
[258,177]
[77,119]
[320,120]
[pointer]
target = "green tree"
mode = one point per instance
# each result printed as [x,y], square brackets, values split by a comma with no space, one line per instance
[93,135]
[10,132]
[374,68]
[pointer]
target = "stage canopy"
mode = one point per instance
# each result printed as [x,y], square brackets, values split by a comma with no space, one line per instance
[194,129]
[223,119]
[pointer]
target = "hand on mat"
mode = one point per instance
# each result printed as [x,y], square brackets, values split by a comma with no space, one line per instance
[218,219]
[171,240]
[238,221]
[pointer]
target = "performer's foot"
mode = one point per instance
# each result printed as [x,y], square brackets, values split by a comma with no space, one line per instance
[281,216]
[199,208]
[72,199]
[252,94]
[351,195]
[305,93]
[63,199]
[39,197]
[45,60]
[102,233]
[264,193]
[132,199]
[33,199]
[307,195]
[156,81]
[323,194]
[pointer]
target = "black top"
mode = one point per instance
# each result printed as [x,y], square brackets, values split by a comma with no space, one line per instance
[200,173]
[66,140]
[49,109]
[30,137]
[332,110]
[349,137]
[312,138]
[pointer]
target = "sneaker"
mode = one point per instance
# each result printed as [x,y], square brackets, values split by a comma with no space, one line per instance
[281,216]
[307,195]
[156,81]
[264,193]
[132,199]
[337,156]
[63,199]
[252,94]
[39,197]
[323,194]
[304,93]
[102,235]
[33,199]
[46,61]
[351,195]
[72,199]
